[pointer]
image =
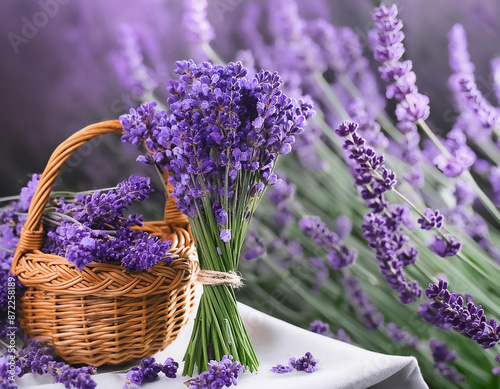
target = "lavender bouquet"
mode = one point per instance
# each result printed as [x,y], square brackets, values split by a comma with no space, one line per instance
[220,144]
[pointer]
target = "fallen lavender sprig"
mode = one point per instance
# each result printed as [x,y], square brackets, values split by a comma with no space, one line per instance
[306,363]
[149,370]
[219,374]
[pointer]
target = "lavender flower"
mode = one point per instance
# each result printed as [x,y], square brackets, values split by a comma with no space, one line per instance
[37,359]
[475,102]
[470,321]
[199,30]
[256,247]
[281,369]
[432,219]
[321,273]
[169,368]
[342,336]
[338,255]
[97,229]
[462,157]
[359,299]
[219,374]
[306,363]
[382,228]
[282,195]
[134,376]
[149,370]
[495,183]
[400,336]
[442,356]
[225,236]
[446,246]
[388,49]
[320,328]
[129,64]
[495,71]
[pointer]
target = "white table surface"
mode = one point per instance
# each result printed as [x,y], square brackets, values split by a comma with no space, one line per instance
[340,365]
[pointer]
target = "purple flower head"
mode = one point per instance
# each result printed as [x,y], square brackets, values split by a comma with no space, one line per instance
[27,193]
[320,328]
[256,247]
[150,369]
[281,369]
[225,236]
[220,213]
[338,255]
[388,48]
[442,356]
[412,108]
[199,30]
[400,336]
[306,363]
[467,319]
[385,237]
[445,247]
[135,376]
[459,55]
[169,368]
[359,299]
[475,102]
[219,374]
[432,219]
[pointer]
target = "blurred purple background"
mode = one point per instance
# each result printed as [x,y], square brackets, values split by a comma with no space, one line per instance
[57,77]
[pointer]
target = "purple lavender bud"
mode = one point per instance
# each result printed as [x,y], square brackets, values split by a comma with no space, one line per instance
[256,247]
[459,55]
[169,368]
[442,356]
[220,213]
[281,369]
[343,226]
[495,183]
[346,128]
[342,336]
[338,254]
[400,336]
[359,299]
[464,195]
[476,103]
[135,376]
[445,247]
[199,30]
[320,328]
[432,219]
[225,236]
[305,363]
[495,71]
[412,108]
[388,49]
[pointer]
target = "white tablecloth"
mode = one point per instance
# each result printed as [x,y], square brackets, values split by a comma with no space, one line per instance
[340,365]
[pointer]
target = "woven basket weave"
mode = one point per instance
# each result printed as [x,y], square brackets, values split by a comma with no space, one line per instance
[102,314]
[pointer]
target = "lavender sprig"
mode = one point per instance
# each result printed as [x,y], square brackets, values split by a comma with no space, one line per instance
[469,320]
[219,374]
[338,255]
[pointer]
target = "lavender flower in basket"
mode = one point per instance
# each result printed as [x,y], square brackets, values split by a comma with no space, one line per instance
[220,144]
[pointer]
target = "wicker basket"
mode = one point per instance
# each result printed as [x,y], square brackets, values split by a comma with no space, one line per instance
[102,314]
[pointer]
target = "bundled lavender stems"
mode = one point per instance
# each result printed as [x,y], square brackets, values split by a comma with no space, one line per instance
[220,143]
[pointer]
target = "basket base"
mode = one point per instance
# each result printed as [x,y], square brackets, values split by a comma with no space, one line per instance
[96,330]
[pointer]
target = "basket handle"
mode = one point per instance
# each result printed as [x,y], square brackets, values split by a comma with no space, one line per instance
[32,234]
